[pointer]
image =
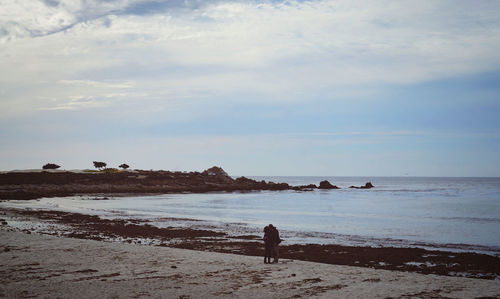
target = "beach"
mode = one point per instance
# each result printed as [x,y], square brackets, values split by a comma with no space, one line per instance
[133,246]
[47,266]
[205,238]
[84,263]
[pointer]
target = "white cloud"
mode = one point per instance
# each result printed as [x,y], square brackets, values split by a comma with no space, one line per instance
[272,50]
[31,18]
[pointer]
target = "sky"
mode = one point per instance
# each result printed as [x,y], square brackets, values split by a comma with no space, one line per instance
[326,88]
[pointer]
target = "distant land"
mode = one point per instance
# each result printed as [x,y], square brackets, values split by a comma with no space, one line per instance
[51,183]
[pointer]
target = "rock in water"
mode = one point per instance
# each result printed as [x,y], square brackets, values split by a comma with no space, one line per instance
[326,185]
[368,185]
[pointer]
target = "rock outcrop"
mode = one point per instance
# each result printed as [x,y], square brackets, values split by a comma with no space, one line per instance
[244,183]
[219,173]
[368,185]
[216,171]
[309,187]
[32,185]
[327,185]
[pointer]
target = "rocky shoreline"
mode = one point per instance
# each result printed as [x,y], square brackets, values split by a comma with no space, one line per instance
[32,185]
[473,265]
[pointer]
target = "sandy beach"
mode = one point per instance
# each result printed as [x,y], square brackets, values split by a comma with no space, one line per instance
[47,266]
[48,253]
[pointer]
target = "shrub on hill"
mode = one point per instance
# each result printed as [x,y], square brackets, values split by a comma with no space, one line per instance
[50,166]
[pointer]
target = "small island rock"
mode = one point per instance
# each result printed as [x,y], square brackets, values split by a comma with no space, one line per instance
[326,185]
[368,185]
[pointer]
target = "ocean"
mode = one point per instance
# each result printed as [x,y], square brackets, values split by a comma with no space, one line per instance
[461,214]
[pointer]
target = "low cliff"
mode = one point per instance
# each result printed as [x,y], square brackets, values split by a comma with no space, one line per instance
[30,185]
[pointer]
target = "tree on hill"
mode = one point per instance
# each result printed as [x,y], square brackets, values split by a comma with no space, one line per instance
[99,165]
[50,166]
[124,166]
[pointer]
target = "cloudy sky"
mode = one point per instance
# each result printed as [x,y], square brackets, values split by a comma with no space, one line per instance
[257,87]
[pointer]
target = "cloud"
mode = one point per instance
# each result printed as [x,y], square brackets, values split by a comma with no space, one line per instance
[276,87]
[35,18]
[96,83]
[173,51]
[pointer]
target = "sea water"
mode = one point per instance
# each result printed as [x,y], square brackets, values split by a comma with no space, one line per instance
[449,213]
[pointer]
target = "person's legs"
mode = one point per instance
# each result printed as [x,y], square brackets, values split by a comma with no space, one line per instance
[276,253]
[267,254]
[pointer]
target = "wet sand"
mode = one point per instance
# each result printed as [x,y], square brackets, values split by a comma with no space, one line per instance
[47,266]
[73,225]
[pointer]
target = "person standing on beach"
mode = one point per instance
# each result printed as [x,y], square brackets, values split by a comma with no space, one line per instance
[268,245]
[275,239]
[271,242]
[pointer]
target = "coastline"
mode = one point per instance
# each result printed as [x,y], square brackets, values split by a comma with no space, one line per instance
[36,265]
[55,253]
[33,185]
[80,226]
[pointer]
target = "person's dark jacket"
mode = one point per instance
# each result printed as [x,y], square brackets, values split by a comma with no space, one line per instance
[274,236]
